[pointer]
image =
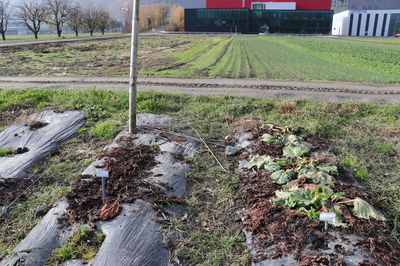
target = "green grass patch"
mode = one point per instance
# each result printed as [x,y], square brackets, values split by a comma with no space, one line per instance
[6,151]
[83,244]
[106,129]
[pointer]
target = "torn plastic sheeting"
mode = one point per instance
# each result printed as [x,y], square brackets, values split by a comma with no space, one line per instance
[42,240]
[133,238]
[40,142]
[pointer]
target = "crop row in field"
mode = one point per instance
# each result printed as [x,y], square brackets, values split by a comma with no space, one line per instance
[227,56]
[306,58]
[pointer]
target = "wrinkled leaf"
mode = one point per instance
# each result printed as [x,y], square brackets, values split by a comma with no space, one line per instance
[296,150]
[301,149]
[293,138]
[282,162]
[258,161]
[282,177]
[364,210]
[322,178]
[272,166]
[327,168]
[311,213]
[276,140]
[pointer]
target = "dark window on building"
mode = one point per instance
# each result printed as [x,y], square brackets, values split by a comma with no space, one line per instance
[384,25]
[394,26]
[359,24]
[351,24]
[367,24]
[375,23]
[255,21]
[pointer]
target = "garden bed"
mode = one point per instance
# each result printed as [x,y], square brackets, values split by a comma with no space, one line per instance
[281,167]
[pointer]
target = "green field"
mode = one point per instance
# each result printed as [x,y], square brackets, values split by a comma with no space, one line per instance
[373,60]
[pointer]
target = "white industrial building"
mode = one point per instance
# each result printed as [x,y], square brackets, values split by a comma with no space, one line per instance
[371,23]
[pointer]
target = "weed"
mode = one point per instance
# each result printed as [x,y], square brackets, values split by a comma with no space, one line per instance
[83,244]
[6,151]
[106,129]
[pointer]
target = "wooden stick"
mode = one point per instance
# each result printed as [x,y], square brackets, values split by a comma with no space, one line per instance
[208,148]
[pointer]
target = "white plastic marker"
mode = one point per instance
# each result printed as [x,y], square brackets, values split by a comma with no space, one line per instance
[103,174]
[327,217]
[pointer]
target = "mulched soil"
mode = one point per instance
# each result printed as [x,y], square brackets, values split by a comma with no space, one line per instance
[10,189]
[128,166]
[277,227]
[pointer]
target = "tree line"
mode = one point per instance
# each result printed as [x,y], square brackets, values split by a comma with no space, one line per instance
[58,13]
[170,17]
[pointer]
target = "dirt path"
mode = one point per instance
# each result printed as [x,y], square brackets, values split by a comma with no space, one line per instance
[389,93]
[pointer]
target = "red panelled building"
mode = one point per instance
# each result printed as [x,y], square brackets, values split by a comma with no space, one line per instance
[266,16]
[300,4]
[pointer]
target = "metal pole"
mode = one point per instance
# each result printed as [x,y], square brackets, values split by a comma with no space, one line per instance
[133,67]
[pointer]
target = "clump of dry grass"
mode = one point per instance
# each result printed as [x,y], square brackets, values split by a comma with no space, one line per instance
[286,107]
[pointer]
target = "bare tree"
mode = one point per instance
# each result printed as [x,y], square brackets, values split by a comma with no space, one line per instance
[5,15]
[32,13]
[91,19]
[75,19]
[58,12]
[103,20]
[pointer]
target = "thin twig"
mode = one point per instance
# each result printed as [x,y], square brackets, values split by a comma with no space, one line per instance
[208,148]
[177,143]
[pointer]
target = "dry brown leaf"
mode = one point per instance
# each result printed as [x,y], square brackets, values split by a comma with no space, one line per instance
[109,210]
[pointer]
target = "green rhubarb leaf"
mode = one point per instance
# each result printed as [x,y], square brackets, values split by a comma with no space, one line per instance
[327,168]
[258,161]
[276,140]
[364,210]
[272,166]
[282,177]
[311,213]
[282,162]
[322,178]
[293,138]
[296,150]
[287,152]
[301,149]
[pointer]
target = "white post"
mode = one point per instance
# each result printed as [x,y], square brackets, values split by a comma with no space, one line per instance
[133,67]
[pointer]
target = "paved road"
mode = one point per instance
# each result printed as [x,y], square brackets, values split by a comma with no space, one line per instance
[66,40]
[234,87]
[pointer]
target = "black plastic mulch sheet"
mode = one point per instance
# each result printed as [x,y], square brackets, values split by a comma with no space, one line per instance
[40,142]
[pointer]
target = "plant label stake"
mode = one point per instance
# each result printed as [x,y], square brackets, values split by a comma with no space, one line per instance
[327,217]
[103,174]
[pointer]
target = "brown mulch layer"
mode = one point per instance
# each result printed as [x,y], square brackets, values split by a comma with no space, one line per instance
[278,231]
[128,166]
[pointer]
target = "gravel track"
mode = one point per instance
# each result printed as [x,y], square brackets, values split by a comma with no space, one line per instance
[388,93]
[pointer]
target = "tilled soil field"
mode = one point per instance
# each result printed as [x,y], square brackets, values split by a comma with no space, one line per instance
[279,231]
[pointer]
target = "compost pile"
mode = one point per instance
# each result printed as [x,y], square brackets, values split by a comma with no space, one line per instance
[289,178]
[128,166]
